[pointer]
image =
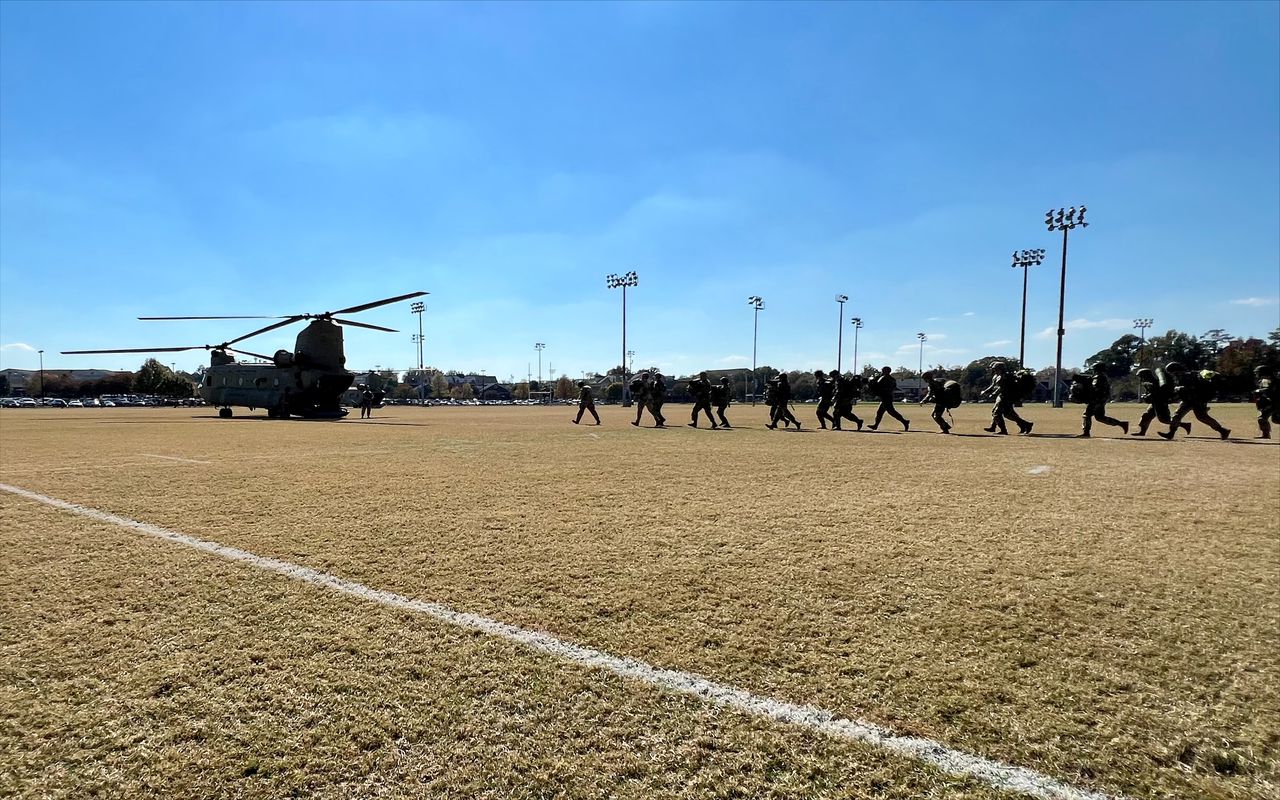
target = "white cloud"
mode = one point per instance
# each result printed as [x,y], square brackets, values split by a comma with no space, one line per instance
[734,361]
[1088,324]
[932,319]
[1254,301]
[938,336]
[998,343]
[970,313]
[18,346]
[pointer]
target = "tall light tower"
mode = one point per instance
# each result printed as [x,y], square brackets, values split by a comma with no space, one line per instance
[41,352]
[923,339]
[757,303]
[418,308]
[1142,324]
[539,346]
[1025,259]
[628,279]
[841,299]
[857,326]
[1063,220]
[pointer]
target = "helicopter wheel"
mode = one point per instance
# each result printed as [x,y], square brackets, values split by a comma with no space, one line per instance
[224,413]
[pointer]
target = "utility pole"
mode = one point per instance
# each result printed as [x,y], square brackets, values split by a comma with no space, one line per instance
[841,299]
[1062,220]
[757,303]
[857,326]
[1142,324]
[1025,259]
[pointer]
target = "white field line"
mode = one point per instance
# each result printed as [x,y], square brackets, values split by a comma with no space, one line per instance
[997,774]
[175,458]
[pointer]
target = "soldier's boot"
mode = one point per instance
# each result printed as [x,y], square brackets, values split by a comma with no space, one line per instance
[1088,426]
[1024,428]
[906,425]
[1167,435]
[1264,429]
[1144,422]
[1224,432]
[1124,426]
[858,420]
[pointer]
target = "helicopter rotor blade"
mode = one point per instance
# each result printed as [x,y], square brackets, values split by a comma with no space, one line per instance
[247,353]
[376,303]
[281,324]
[135,350]
[363,325]
[211,318]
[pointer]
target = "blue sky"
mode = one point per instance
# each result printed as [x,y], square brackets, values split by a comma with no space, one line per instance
[252,158]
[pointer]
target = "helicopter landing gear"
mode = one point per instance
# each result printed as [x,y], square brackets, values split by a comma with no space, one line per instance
[224,413]
[279,412]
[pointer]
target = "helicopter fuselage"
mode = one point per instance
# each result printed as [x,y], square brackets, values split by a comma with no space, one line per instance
[308,382]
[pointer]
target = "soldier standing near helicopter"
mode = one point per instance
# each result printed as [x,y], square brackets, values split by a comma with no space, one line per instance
[884,387]
[585,403]
[720,400]
[640,395]
[366,402]
[657,396]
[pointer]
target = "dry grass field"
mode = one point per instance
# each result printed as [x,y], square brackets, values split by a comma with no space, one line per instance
[1106,612]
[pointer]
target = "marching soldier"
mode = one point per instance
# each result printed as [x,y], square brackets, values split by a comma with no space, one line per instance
[1157,389]
[1265,397]
[1002,386]
[720,399]
[585,403]
[935,393]
[700,388]
[780,398]
[884,387]
[1193,395]
[846,392]
[1096,408]
[657,396]
[826,390]
[640,395]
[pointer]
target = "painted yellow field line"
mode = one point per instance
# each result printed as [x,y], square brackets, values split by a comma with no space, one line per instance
[994,773]
[175,458]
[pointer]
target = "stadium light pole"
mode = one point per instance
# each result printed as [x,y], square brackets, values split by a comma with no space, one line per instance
[627,279]
[1142,323]
[41,352]
[857,326]
[841,299]
[417,308]
[539,346]
[757,303]
[1063,220]
[923,339]
[1025,259]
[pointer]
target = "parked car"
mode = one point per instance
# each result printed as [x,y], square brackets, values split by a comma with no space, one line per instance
[74,404]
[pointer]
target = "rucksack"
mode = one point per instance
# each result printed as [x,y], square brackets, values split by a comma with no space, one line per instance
[637,386]
[951,394]
[1207,386]
[1081,390]
[1024,383]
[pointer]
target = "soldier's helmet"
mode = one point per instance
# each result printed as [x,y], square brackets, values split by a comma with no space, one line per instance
[1174,366]
[725,379]
[582,384]
[1098,367]
[702,375]
[1262,371]
[1146,374]
[817,373]
[927,375]
[998,367]
[885,370]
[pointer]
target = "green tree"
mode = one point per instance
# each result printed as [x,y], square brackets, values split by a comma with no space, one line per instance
[976,377]
[152,378]
[564,388]
[439,385]
[1184,348]
[462,391]
[520,391]
[1119,358]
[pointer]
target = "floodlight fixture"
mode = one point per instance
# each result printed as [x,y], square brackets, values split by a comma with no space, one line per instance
[623,281]
[841,299]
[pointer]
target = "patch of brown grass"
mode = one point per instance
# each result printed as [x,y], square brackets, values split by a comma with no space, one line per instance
[1111,621]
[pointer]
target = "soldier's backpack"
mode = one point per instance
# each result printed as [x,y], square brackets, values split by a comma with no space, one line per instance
[1208,385]
[1022,384]
[1081,390]
[637,386]
[951,394]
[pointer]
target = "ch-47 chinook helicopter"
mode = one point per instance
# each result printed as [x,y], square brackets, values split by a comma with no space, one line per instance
[307,382]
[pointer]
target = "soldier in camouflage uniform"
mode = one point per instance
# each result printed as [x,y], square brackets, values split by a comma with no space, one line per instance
[640,395]
[1193,397]
[585,403]
[939,403]
[1157,390]
[846,392]
[1265,396]
[720,400]
[826,390]
[780,399]
[700,388]
[1096,408]
[884,387]
[657,396]
[1002,386]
